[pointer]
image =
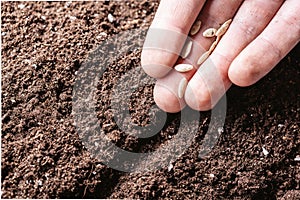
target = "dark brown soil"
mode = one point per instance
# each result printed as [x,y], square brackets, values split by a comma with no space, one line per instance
[43,46]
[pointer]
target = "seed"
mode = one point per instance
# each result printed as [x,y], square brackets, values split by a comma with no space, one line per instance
[196,27]
[210,32]
[203,58]
[221,31]
[186,49]
[183,67]
[213,46]
[182,87]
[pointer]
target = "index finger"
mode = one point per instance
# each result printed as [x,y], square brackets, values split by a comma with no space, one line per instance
[172,23]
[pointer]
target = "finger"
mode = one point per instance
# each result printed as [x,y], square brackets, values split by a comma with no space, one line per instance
[279,37]
[177,17]
[250,20]
[213,15]
[166,93]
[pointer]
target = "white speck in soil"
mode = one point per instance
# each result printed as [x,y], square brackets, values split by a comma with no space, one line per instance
[72,18]
[21,6]
[280,125]
[27,61]
[40,182]
[220,130]
[68,3]
[43,17]
[211,175]
[170,167]
[297,158]
[110,18]
[265,152]
[101,35]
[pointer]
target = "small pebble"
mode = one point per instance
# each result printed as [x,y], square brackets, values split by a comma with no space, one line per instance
[101,35]
[170,167]
[265,152]
[297,158]
[68,3]
[40,182]
[72,18]
[110,18]
[220,130]
[280,125]
[211,175]
[21,6]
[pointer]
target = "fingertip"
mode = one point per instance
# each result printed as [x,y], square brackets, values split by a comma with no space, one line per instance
[240,73]
[198,98]
[157,64]
[167,100]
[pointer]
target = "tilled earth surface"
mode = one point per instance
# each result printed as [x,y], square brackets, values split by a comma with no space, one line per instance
[43,156]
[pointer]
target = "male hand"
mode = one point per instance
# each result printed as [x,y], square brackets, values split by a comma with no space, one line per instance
[261,34]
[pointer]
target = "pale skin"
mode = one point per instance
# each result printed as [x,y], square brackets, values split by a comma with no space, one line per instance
[261,34]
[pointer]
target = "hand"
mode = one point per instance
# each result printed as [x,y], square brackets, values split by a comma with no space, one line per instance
[260,35]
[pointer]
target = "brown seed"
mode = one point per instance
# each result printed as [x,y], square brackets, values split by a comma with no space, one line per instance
[183,67]
[196,27]
[222,30]
[181,88]
[203,58]
[210,32]
[186,49]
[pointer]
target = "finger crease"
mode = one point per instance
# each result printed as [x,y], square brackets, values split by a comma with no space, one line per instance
[274,47]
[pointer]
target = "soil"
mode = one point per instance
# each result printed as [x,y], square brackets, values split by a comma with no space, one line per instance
[44,44]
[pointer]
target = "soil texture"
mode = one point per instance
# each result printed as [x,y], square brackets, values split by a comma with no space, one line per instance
[45,45]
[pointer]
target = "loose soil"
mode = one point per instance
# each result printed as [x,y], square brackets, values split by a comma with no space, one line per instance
[43,46]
